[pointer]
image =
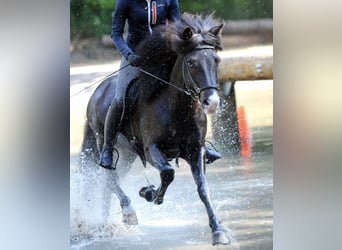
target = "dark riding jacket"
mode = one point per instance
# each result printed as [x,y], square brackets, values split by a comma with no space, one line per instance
[139,21]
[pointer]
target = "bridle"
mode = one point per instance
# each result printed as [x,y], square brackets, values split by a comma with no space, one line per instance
[187,77]
[189,80]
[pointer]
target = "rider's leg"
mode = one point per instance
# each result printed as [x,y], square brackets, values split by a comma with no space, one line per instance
[112,123]
[114,113]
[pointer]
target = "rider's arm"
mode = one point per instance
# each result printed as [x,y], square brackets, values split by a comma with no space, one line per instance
[120,15]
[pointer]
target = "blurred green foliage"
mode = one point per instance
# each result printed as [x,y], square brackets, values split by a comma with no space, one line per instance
[92,18]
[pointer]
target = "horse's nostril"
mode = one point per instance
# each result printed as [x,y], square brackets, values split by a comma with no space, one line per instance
[206,102]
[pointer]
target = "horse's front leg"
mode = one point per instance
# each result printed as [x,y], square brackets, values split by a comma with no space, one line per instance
[197,168]
[166,176]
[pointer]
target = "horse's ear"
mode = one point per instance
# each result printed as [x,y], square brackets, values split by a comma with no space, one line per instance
[217,30]
[187,33]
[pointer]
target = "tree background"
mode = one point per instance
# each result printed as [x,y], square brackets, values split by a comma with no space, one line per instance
[93,18]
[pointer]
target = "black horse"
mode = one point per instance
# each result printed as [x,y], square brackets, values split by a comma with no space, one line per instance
[166,118]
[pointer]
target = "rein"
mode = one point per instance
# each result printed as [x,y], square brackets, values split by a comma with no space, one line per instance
[194,94]
[166,82]
[100,80]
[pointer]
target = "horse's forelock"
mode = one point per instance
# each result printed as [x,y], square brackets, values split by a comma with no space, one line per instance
[202,33]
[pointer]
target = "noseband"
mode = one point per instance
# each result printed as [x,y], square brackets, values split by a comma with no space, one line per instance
[195,92]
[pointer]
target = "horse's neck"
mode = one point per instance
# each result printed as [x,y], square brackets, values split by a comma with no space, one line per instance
[176,77]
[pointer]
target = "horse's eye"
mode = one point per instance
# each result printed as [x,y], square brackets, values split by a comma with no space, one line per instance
[190,63]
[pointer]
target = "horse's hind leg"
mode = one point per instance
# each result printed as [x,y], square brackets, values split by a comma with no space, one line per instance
[113,186]
[99,140]
[89,152]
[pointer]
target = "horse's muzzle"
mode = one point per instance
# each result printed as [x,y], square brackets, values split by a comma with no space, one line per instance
[211,103]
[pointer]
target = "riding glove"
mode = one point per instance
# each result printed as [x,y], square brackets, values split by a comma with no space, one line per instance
[134,60]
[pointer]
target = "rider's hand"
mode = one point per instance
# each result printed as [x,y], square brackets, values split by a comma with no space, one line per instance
[134,60]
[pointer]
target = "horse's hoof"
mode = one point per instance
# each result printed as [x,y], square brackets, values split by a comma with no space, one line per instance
[130,218]
[220,237]
[149,193]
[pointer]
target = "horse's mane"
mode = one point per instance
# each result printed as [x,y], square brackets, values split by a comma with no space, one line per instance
[168,41]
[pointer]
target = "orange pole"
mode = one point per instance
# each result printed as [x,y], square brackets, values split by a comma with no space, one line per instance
[245,134]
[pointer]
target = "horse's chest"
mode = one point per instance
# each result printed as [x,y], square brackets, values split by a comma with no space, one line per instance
[172,123]
[179,130]
[172,131]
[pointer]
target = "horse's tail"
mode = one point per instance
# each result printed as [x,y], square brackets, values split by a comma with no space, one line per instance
[89,145]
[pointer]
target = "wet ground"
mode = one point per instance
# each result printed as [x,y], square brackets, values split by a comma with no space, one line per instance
[242,198]
[241,191]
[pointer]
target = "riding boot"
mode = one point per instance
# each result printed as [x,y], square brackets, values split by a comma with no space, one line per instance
[106,159]
[112,123]
[212,155]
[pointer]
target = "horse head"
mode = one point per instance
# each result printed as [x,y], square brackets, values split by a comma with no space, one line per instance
[200,74]
[197,41]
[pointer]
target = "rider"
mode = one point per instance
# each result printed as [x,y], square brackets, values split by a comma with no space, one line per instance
[142,16]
